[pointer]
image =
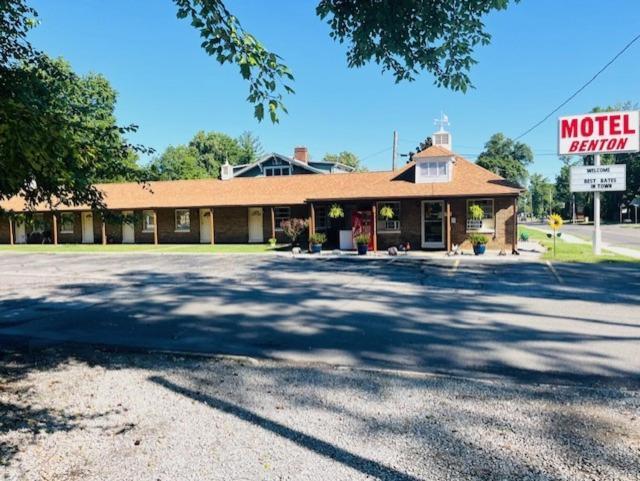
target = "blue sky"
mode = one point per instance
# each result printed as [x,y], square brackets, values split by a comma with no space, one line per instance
[542,51]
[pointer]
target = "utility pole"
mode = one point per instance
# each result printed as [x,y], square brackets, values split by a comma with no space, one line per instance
[394,150]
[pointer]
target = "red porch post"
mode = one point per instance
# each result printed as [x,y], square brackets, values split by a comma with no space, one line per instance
[374,223]
[55,229]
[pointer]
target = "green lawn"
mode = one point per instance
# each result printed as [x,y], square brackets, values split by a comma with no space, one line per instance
[567,252]
[162,248]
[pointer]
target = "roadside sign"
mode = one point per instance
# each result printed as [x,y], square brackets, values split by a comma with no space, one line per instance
[598,178]
[599,133]
[636,202]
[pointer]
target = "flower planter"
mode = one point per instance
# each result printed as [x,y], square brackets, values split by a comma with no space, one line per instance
[479,249]
[362,249]
[316,248]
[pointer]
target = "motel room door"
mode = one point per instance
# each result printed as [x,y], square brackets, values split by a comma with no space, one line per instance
[128,231]
[205,226]
[433,224]
[256,231]
[87,227]
[21,233]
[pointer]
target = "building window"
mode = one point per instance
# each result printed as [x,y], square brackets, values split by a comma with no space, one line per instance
[392,224]
[148,221]
[321,217]
[183,222]
[433,171]
[270,170]
[281,213]
[487,223]
[37,223]
[66,223]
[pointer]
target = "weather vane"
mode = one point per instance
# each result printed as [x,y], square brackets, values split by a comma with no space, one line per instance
[442,121]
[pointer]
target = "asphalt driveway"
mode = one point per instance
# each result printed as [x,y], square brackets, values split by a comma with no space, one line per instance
[498,318]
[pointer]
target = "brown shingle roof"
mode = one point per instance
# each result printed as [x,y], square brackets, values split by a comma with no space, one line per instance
[468,180]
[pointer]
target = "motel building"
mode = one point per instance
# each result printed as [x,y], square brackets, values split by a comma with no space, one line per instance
[430,198]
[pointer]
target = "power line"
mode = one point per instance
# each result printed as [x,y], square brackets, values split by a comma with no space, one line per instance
[581,88]
[375,153]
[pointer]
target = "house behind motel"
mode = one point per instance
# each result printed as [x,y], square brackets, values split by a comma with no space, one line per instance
[430,199]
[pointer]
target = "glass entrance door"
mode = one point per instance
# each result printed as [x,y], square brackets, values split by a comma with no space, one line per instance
[433,224]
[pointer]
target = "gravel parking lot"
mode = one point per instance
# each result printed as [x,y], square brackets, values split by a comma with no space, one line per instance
[92,415]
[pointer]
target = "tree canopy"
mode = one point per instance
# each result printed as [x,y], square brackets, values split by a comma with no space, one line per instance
[506,158]
[404,38]
[346,158]
[203,156]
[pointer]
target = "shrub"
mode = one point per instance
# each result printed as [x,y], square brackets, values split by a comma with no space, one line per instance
[478,239]
[524,236]
[362,239]
[317,238]
[273,241]
[292,228]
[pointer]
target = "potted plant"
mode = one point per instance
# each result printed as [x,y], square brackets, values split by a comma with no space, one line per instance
[476,214]
[336,212]
[362,242]
[272,242]
[293,228]
[386,212]
[316,240]
[479,243]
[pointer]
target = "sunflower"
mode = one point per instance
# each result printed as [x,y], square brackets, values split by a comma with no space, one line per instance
[555,222]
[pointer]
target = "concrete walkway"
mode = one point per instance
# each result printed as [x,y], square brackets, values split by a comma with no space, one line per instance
[571,239]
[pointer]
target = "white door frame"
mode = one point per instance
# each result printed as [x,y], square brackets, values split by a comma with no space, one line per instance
[128,227]
[258,234]
[205,226]
[87,234]
[431,245]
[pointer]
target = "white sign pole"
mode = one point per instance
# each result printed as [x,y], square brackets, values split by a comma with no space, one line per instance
[597,234]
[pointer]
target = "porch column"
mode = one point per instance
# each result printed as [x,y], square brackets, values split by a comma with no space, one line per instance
[10,231]
[273,223]
[155,227]
[104,233]
[55,229]
[312,219]
[211,229]
[514,240]
[374,214]
[448,226]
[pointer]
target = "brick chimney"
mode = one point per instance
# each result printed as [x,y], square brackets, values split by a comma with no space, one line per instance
[301,154]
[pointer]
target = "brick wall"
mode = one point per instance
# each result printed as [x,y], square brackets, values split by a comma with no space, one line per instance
[411,224]
[4,230]
[502,238]
[231,225]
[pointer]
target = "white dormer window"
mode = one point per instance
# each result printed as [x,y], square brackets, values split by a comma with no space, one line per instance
[433,170]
